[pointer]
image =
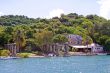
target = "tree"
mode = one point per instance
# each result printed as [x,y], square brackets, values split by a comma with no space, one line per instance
[43,39]
[29,34]
[87,40]
[107,45]
[4,39]
[20,39]
[103,39]
[9,30]
[88,25]
[105,28]
[59,39]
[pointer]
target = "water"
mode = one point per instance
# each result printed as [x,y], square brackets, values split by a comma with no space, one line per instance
[75,64]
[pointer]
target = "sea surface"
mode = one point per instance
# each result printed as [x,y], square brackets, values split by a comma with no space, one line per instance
[75,64]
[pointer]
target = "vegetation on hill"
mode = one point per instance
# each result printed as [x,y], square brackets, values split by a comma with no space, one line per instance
[31,34]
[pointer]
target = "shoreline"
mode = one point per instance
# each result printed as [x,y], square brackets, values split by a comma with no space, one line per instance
[36,56]
[85,54]
[70,54]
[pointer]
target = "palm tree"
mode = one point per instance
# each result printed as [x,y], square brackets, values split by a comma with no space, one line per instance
[20,40]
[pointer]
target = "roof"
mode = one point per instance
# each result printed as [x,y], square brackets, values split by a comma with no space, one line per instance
[79,46]
[97,45]
[86,46]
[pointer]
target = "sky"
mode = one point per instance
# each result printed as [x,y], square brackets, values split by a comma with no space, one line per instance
[51,8]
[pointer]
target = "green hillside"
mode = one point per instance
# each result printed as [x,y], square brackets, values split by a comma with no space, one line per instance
[38,32]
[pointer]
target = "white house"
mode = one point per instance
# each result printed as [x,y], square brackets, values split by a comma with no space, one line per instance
[75,41]
[93,48]
[96,48]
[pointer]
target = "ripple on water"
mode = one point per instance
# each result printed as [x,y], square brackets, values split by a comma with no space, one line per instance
[75,64]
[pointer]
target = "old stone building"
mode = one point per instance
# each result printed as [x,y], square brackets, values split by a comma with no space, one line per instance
[12,48]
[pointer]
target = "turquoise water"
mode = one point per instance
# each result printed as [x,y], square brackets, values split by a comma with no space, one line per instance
[75,64]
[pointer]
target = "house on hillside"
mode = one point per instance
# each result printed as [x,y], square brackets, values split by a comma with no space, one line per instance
[75,41]
[96,48]
[93,48]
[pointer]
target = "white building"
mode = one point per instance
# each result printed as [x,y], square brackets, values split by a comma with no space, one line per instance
[96,48]
[93,48]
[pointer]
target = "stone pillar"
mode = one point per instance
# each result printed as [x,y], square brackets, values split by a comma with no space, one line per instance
[14,47]
[66,48]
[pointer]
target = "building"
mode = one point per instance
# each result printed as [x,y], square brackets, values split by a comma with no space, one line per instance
[96,48]
[12,48]
[74,39]
[93,48]
[56,49]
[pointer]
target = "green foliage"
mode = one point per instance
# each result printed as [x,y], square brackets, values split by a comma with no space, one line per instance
[44,37]
[24,31]
[107,44]
[59,39]
[11,20]
[9,30]
[105,28]
[20,39]
[23,55]
[5,38]
[5,53]
[103,39]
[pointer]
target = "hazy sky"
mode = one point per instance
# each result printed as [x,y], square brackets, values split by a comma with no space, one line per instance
[50,8]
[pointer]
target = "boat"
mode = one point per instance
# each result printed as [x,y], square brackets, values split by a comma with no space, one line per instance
[51,55]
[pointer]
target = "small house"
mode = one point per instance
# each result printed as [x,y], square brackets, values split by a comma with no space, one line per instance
[96,48]
[93,48]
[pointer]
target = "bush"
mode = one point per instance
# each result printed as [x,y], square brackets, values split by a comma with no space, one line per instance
[23,55]
[37,53]
[4,53]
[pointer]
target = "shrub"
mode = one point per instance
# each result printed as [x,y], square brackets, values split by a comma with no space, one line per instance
[4,53]
[23,55]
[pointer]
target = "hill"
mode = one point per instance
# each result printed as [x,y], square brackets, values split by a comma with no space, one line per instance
[41,31]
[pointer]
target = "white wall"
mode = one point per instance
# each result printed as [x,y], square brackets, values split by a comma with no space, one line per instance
[97,49]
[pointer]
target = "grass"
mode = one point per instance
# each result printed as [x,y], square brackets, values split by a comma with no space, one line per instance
[23,55]
[4,53]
